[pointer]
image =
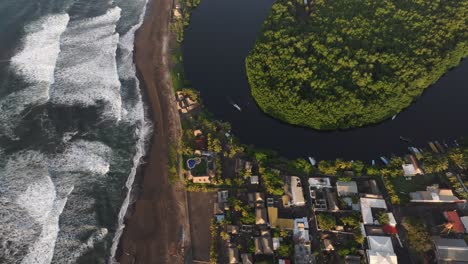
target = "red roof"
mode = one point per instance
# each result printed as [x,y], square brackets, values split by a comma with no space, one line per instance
[389,229]
[452,217]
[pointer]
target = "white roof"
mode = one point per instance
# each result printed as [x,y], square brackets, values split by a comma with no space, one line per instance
[377,257]
[410,170]
[366,205]
[296,191]
[381,250]
[464,220]
[254,179]
[320,182]
[391,219]
[380,243]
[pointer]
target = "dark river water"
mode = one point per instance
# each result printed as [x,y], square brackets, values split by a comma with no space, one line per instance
[221,34]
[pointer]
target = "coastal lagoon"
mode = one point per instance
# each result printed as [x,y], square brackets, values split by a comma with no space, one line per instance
[220,36]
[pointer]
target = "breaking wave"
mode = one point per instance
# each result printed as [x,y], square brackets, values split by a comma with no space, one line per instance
[35,189]
[86,72]
[34,63]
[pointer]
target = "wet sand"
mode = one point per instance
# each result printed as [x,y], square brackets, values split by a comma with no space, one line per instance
[157,228]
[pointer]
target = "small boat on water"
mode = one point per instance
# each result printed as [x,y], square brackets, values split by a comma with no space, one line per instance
[393,117]
[405,139]
[384,160]
[312,161]
[373,162]
[237,107]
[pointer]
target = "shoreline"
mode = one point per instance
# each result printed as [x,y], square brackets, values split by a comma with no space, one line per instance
[156,226]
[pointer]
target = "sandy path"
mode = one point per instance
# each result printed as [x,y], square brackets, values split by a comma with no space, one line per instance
[158,230]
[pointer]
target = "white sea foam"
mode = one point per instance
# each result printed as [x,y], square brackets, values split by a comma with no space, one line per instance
[32,199]
[35,63]
[86,72]
[144,133]
[83,156]
[27,185]
[134,113]
[36,60]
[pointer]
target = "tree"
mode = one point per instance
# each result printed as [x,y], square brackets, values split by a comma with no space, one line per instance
[350,63]
[326,221]
[383,218]
[418,237]
[285,250]
[351,220]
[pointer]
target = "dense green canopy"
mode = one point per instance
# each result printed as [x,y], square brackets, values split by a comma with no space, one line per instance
[347,63]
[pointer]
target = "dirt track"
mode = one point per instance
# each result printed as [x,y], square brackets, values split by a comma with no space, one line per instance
[158,230]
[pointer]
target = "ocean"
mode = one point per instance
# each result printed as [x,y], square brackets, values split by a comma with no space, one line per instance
[73,128]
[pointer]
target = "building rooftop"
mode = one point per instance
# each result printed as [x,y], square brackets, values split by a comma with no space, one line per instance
[434,194]
[301,229]
[322,182]
[454,250]
[380,250]
[453,218]
[296,191]
[411,170]
[366,211]
[346,188]
[260,216]
[233,253]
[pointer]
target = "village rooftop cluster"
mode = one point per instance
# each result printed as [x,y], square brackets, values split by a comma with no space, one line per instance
[268,211]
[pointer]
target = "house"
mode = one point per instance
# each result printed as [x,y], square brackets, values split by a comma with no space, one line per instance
[254,179]
[350,259]
[366,209]
[380,250]
[464,220]
[319,183]
[248,167]
[233,253]
[328,245]
[232,229]
[281,223]
[346,188]
[301,230]
[276,243]
[411,170]
[184,103]
[450,250]
[260,216]
[247,258]
[455,221]
[303,254]
[263,244]
[332,201]
[201,179]
[284,261]
[223,196]
[295,191]
[434,195]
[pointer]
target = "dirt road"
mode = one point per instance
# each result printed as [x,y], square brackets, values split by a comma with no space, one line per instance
[158,229]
